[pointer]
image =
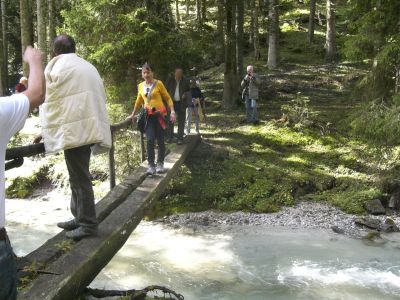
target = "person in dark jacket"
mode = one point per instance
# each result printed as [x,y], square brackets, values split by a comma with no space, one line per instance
[178,87]
[195,108]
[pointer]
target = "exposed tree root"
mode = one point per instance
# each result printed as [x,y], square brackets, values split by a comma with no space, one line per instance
[135,294]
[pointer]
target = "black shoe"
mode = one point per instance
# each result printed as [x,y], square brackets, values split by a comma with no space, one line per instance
[81,232]
[256,122]
[69,225]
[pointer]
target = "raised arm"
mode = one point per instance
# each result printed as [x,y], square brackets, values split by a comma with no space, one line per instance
[36,82]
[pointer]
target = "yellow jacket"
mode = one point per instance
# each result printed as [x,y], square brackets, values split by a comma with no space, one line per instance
[157,96]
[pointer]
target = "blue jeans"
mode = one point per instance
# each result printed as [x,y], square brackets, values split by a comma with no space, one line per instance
[190,111]
[251,110]
[8,272]
[154,131]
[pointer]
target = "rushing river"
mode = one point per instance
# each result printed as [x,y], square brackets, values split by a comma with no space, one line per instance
[229,262]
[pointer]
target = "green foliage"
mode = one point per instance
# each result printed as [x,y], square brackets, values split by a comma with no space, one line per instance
[298,111]
[351,199]
[23,187]
[378,123]
[65,246]
[374,35]
[119,36]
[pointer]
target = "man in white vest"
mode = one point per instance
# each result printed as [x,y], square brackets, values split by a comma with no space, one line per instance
[13,112]
[74,120]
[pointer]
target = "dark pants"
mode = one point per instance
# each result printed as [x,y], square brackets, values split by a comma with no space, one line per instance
[180,111]
[82,198]
[154,131]
[8,271]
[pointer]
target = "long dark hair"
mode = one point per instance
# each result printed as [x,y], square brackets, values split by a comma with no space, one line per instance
[148,67]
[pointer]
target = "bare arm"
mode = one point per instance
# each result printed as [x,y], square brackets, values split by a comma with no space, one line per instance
[138,103]
[36,83]
[167,97]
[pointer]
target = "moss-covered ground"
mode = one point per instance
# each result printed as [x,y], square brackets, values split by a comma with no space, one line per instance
[302,149]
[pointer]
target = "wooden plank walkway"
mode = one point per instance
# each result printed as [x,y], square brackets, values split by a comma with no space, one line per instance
[120,212]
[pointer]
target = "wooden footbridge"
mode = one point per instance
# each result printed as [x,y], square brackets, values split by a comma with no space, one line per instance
[65,273]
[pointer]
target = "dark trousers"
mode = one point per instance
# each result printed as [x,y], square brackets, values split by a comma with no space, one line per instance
[8,271]
[180,111]
[154,131]
[82,198]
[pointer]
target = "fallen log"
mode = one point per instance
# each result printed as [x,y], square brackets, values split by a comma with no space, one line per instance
[79,266]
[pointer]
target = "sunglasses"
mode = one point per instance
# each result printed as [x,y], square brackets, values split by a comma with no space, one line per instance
[147,92]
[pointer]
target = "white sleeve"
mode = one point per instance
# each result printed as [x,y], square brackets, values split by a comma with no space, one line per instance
[13,113]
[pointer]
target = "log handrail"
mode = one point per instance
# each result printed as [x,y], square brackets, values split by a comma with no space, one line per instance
[15,156]
[122,125]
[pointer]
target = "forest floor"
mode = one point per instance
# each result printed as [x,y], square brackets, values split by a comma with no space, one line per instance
[307,155]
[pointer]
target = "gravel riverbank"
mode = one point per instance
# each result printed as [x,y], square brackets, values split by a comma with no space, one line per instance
[307,215]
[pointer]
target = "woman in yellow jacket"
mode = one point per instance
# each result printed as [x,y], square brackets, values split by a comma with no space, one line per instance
[151,93]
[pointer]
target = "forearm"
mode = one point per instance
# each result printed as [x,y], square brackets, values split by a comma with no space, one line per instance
[36,85]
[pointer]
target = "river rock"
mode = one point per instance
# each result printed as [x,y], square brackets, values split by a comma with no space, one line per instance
[337,229]
[394,202]
[373,238]
[368,222]
[375,207]
[389,226]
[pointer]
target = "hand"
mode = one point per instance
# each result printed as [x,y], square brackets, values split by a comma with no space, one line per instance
[32,56]
[173,116]
[37,139]
[132,118]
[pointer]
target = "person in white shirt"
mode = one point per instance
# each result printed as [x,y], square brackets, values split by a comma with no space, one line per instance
[13,112]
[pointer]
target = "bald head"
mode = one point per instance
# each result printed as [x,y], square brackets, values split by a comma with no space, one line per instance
[63,44]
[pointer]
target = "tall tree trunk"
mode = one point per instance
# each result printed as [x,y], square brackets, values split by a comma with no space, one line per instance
[311,22]
[330,44]
[177,14]
[397,66]
[220,32]
[2,62]
[256,33]
[26,29]
[397,86]
[239,37]
[4,45]
[198,12]
[203,11]
[41,27]
[230,76]
[187,8]
[52,24]
[251,27]
[319,16]
[273,34]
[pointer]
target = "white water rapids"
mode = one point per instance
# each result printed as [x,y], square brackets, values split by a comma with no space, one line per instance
[227,262]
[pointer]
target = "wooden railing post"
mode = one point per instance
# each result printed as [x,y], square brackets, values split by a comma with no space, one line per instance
[142,148]
[111,162]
